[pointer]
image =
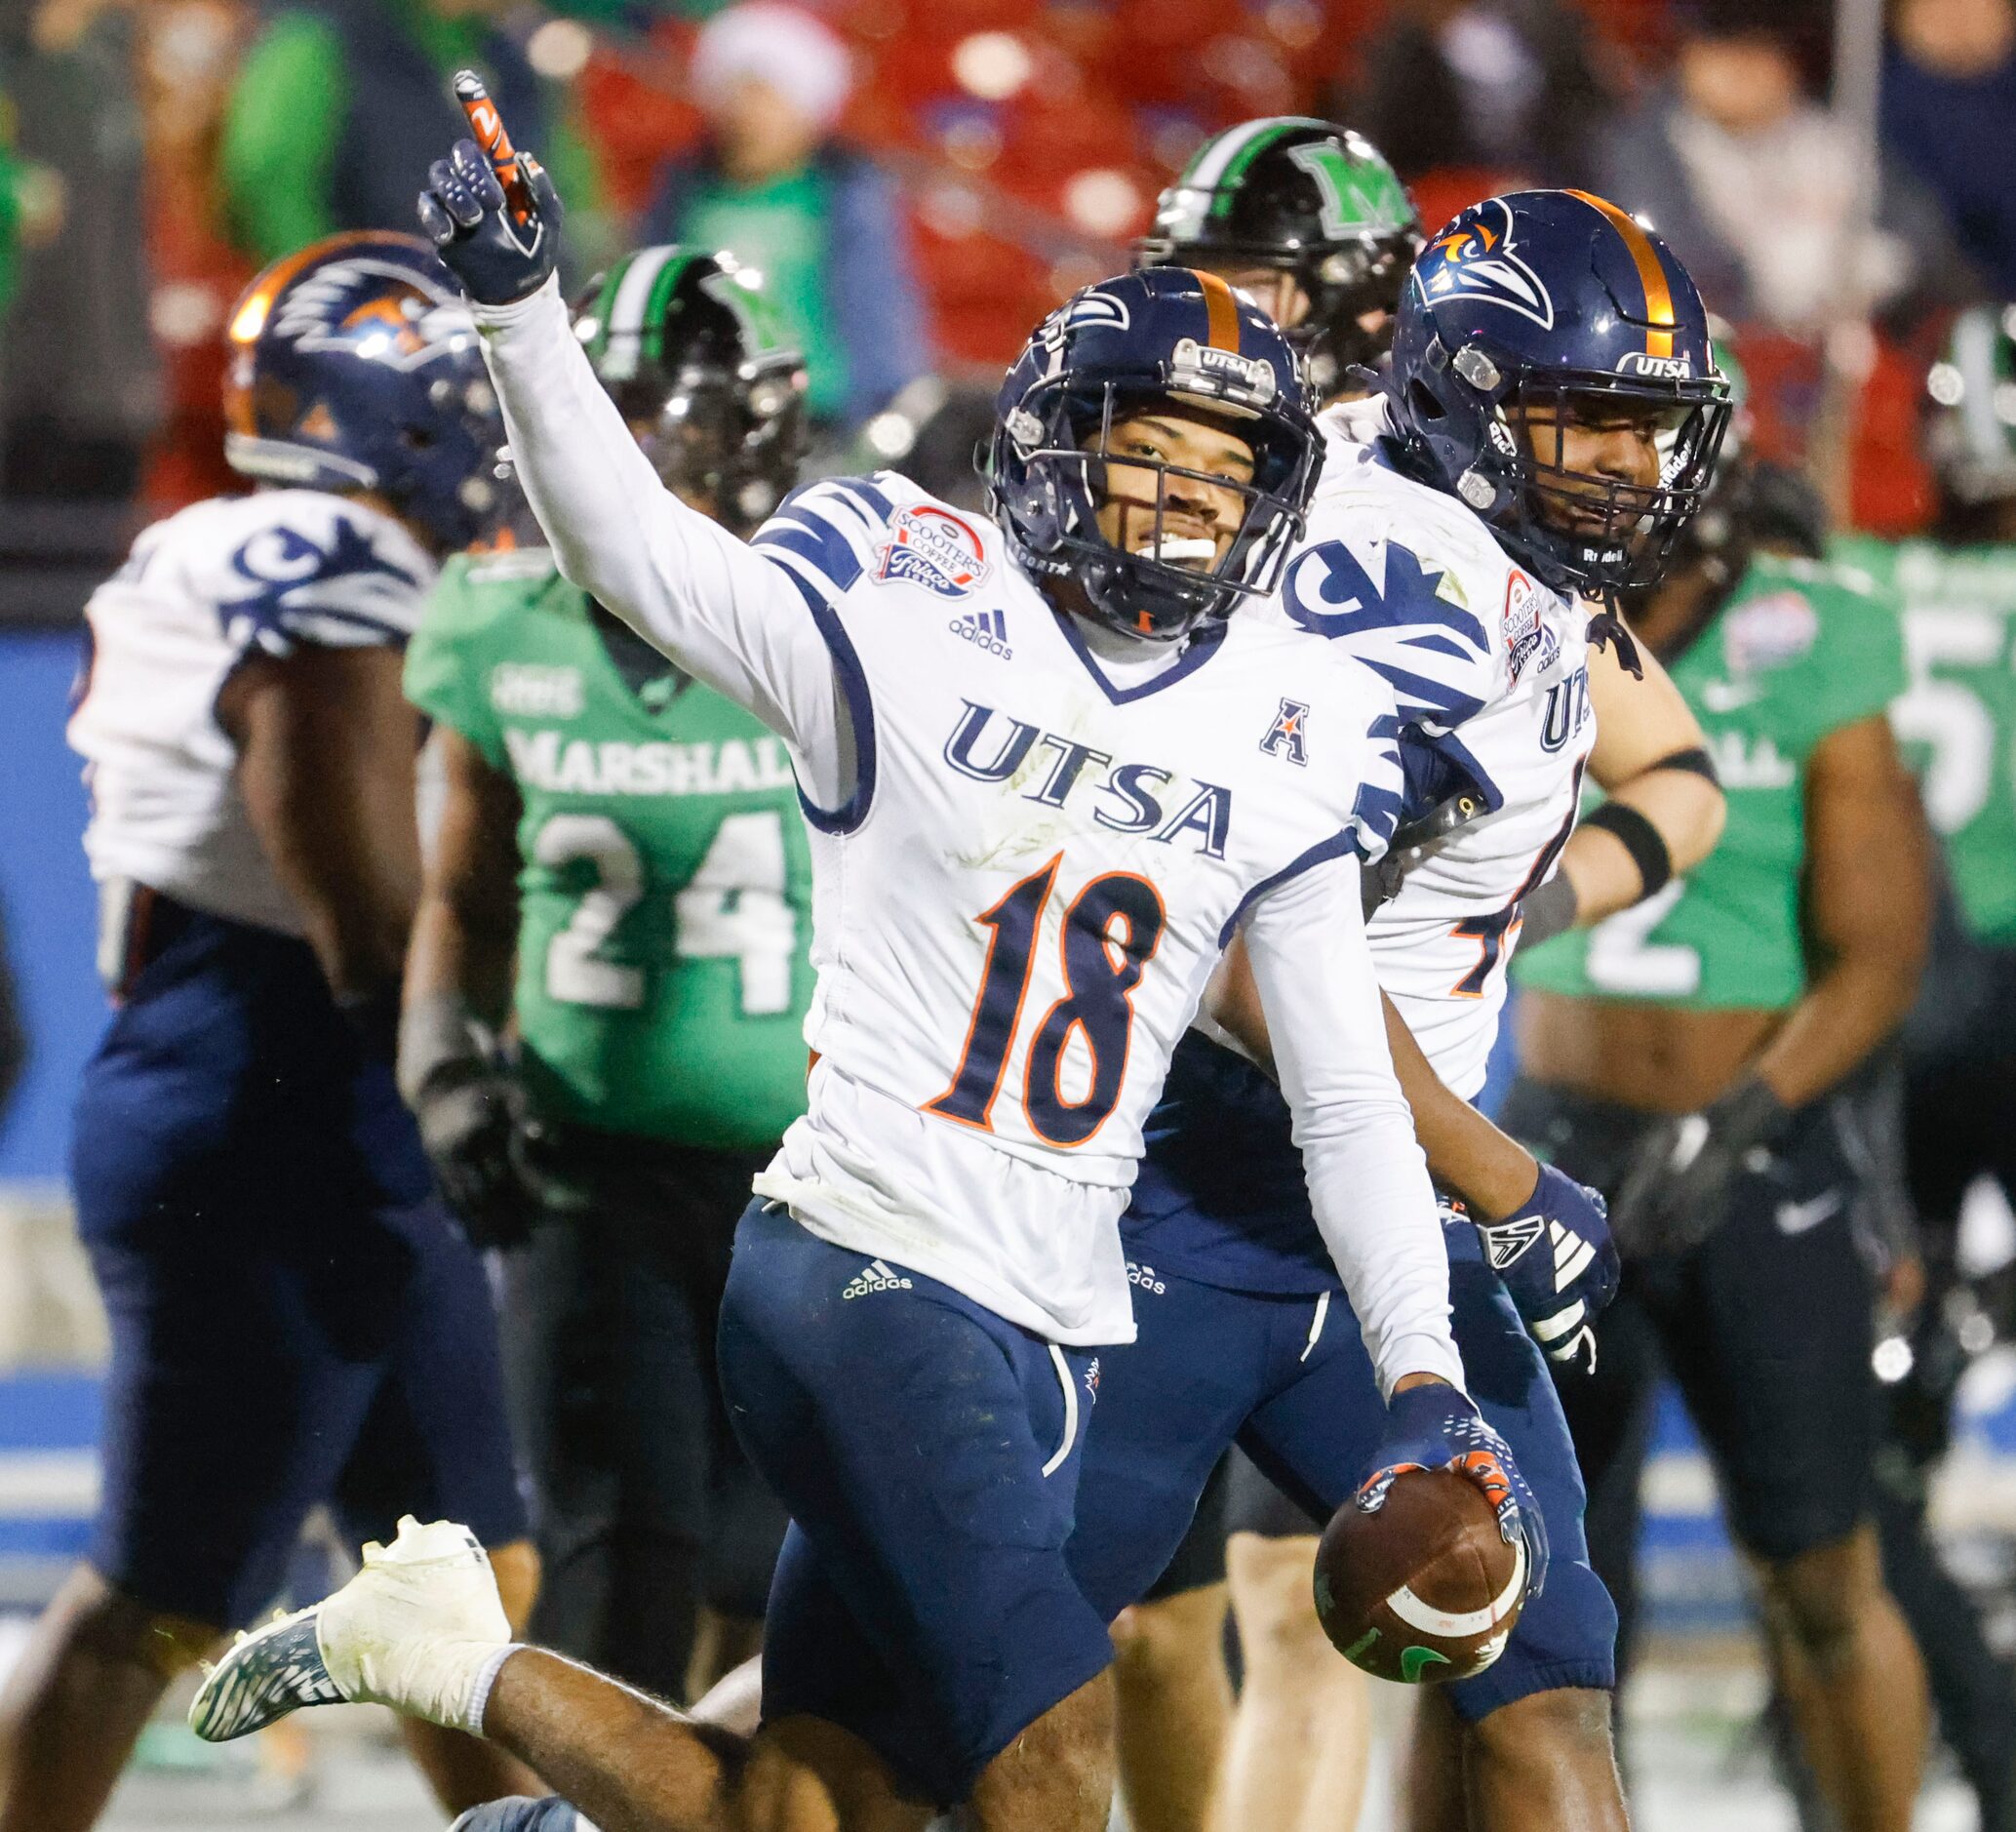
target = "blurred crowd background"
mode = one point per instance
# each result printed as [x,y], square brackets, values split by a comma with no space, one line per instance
[924,178]
[920,181]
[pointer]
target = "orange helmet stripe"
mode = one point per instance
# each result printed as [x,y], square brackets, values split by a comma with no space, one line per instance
[1651,274]
[1222,312]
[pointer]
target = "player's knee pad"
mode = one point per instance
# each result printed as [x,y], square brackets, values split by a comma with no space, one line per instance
[518,1814]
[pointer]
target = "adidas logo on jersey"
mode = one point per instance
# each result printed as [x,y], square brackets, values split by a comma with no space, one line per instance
[984,630]
[1571,1254]
[1144,1277]
[875,1276]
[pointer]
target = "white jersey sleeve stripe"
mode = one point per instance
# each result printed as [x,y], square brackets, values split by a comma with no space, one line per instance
[869,501]
[1422,698]
[841,510]
[1441,644]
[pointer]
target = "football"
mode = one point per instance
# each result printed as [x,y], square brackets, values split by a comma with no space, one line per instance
[1424,1590]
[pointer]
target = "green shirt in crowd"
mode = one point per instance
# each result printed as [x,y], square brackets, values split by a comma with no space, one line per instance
[1800,650]
[284,123]
[1956,719]
[665,884]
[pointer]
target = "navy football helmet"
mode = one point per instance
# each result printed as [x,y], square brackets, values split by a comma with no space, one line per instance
[1162,336]
[1528,312]
[354,366]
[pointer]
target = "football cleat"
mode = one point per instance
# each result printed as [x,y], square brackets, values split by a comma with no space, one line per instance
[420,1628]
[269,1673]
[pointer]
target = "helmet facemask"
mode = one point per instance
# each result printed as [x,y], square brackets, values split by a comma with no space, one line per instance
[1178,563]
[1607,533]
[1347,285]
[727,441]
[1581,531]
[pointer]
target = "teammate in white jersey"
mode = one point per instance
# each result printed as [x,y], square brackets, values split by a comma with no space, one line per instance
[1481,630]
[1049,779]
[295,1320]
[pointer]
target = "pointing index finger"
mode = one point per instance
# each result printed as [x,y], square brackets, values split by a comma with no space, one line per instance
[487,126]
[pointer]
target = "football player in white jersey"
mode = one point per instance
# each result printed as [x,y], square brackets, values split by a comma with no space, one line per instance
[1480,628]
[295,1320]
[1048,780]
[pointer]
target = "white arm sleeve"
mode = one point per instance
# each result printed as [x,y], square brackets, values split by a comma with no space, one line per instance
[1367,1180]
[718,608]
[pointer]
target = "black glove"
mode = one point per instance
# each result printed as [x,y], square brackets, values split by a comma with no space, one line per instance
[499,259]
[472,1118]
[1674,1194]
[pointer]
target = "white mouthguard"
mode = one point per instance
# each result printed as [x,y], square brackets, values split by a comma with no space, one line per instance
[1181,549]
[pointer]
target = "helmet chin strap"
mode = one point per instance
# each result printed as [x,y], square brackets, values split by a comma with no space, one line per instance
[1608,626]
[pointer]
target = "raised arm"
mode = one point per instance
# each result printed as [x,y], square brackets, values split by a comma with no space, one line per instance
[717,607]
[724,612]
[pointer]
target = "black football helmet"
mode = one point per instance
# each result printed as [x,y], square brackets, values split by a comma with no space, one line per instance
[1306,198]
[694,356]
[1970,424]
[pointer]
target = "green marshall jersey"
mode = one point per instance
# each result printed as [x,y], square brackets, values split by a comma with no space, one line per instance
[665,885]
[1800,650]
[1957,718]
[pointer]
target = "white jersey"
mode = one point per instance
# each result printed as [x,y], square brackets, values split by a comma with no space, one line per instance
[202,591]
[1490,669]
[1031,843]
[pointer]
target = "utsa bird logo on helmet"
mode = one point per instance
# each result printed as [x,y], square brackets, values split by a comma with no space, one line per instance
[1475,259]
[354,366]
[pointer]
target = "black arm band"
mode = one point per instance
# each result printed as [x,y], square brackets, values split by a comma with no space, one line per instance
[1694,760]
[1642,840]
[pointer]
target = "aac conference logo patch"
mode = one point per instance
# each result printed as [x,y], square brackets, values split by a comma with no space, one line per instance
[934,549]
